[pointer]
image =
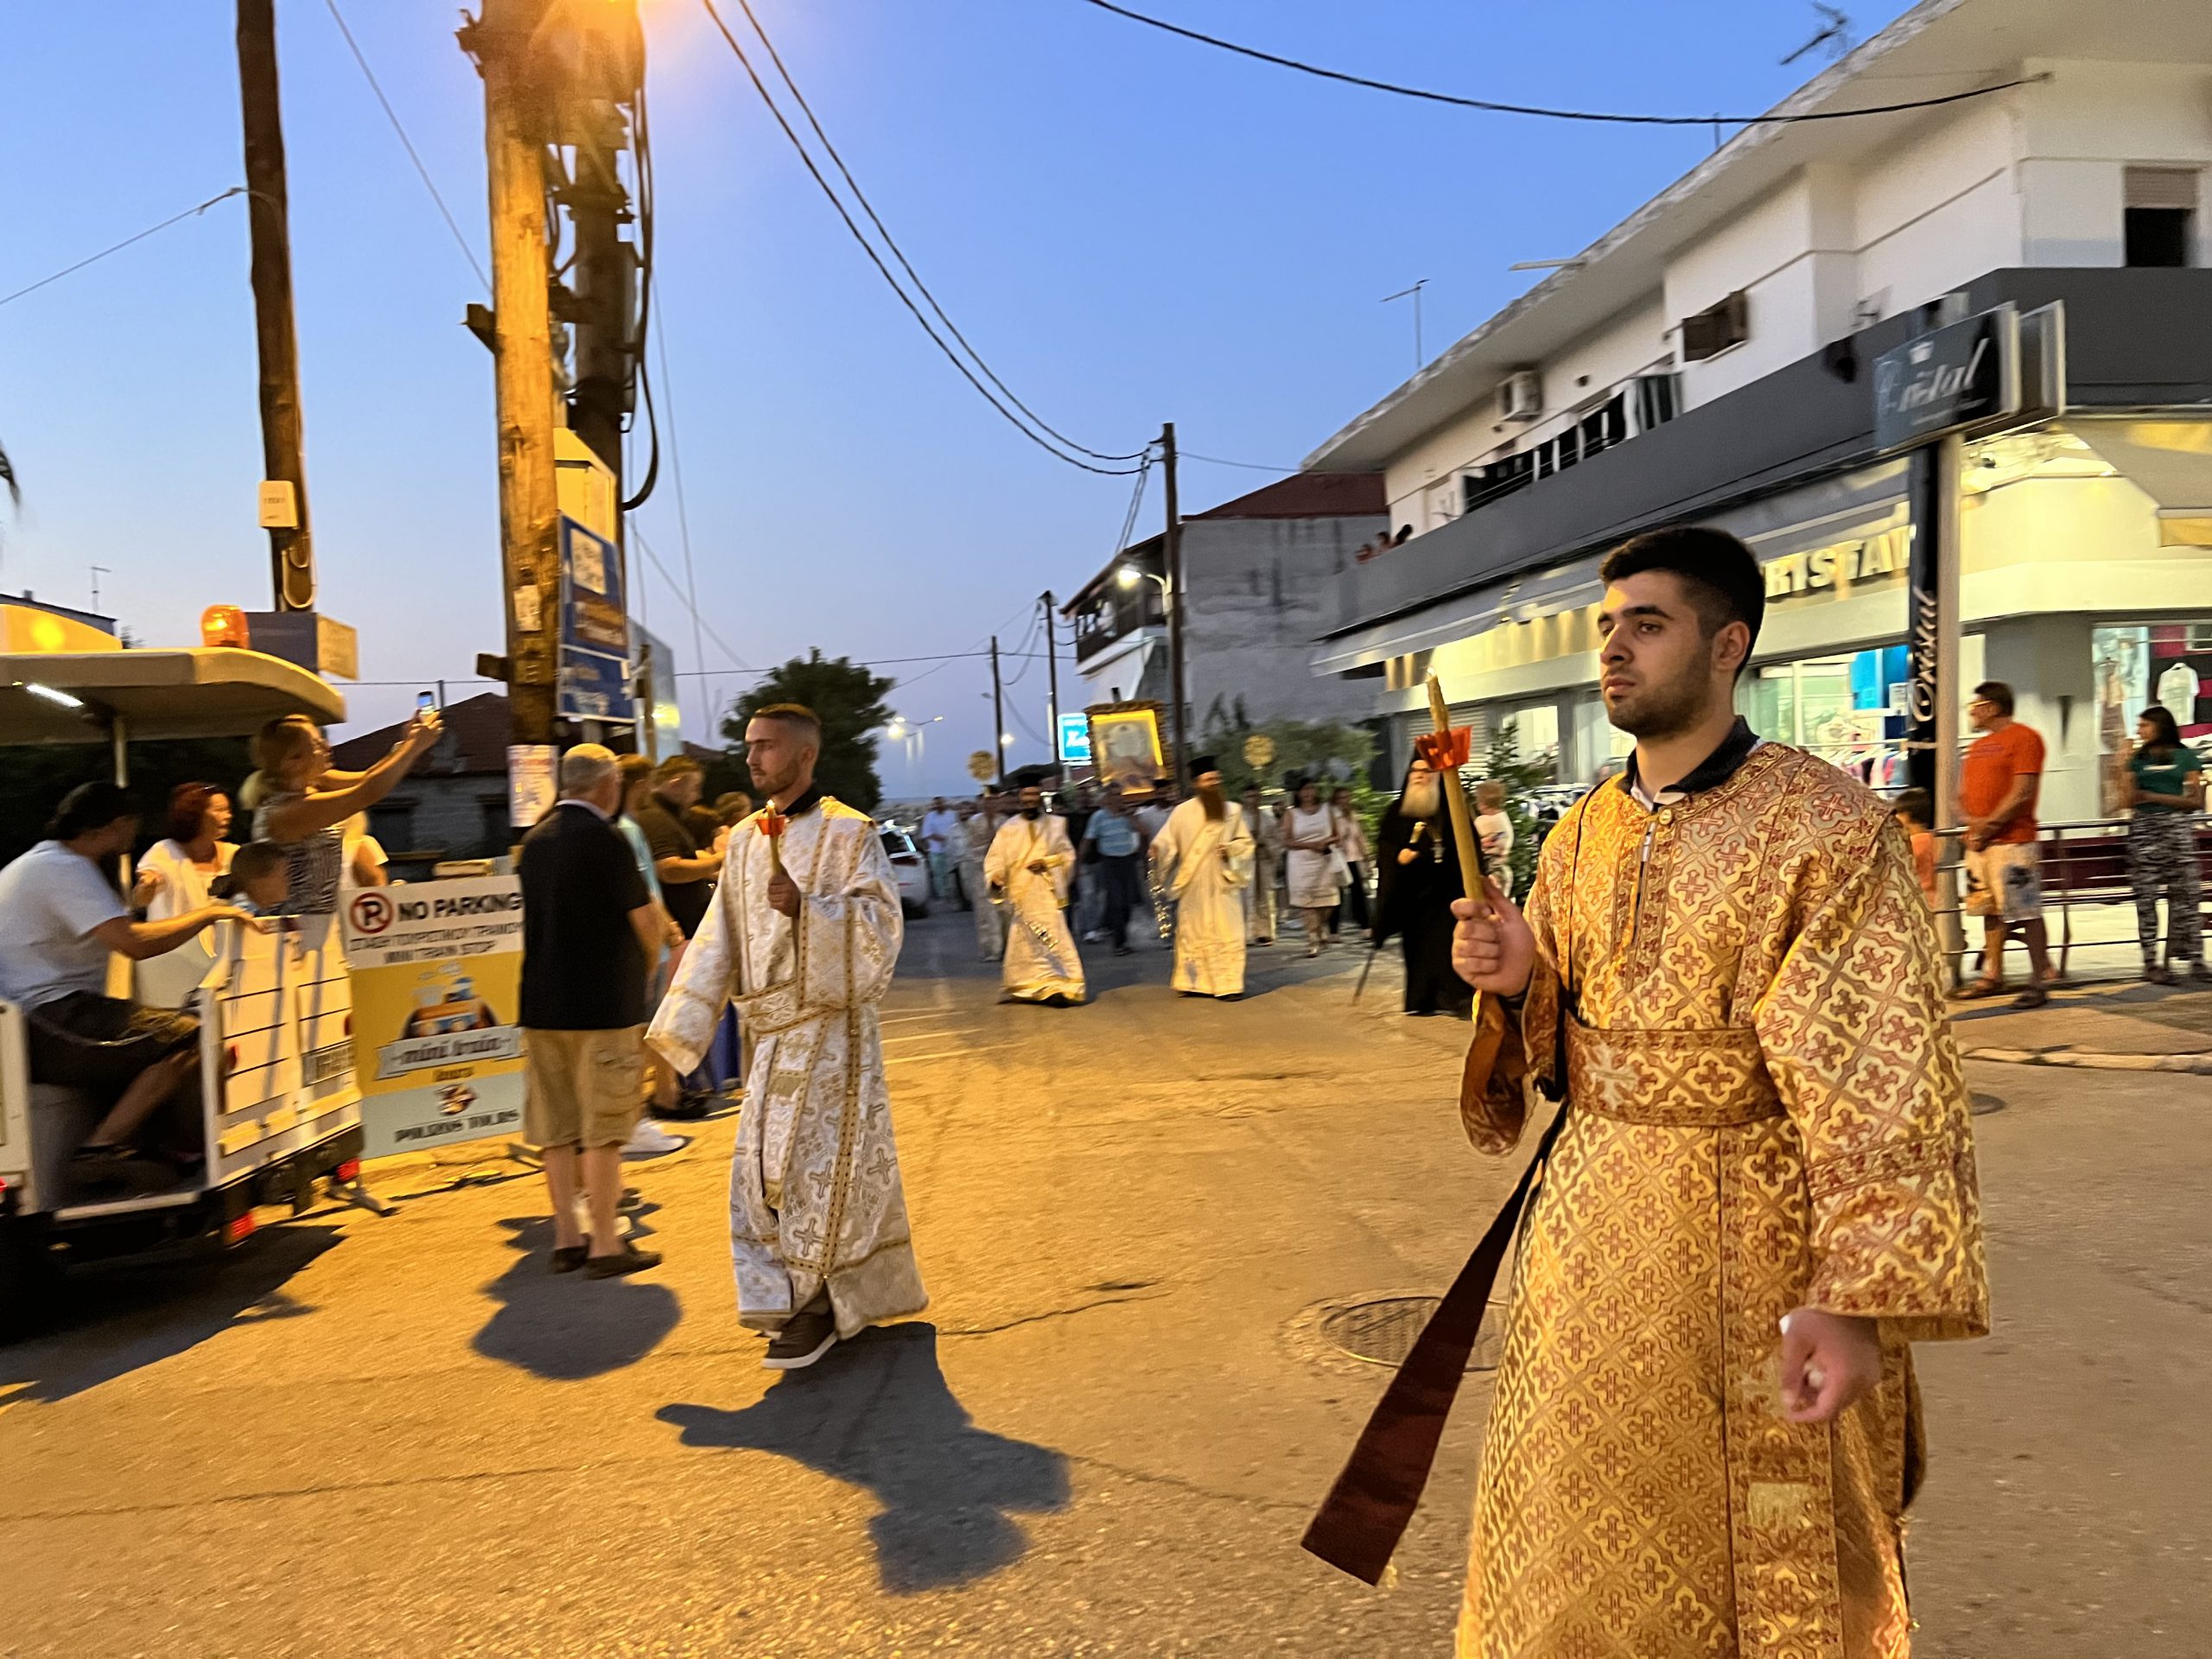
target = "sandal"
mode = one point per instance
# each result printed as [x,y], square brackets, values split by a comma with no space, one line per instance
[1979,990]
[2034,997]
[567,1258]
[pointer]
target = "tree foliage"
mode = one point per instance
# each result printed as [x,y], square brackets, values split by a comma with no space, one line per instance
[1504,765]
[1329,752]
[849,698]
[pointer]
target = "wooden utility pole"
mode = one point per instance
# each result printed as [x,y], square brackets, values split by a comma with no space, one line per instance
[1052,671]
[1175,600]
[998,715]
[283,445]
[515,121]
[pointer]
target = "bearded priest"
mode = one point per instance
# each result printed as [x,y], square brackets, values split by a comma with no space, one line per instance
[801,935]
[1201,858]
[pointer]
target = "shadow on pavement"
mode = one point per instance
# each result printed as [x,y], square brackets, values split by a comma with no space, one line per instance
[877,1413]
[117,1317]
[563,1326]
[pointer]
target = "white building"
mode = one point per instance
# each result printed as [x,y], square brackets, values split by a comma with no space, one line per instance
[1706,360]
[1259,576]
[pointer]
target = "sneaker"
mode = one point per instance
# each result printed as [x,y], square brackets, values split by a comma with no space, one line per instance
[690,1106]
[806,1335]
[628,1259]
[649,1140]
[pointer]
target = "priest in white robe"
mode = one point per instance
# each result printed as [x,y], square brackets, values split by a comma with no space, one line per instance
[1201,858]
[1030,866]
[802,936]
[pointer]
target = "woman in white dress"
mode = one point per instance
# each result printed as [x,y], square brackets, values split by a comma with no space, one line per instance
[174,878]
[1309,841]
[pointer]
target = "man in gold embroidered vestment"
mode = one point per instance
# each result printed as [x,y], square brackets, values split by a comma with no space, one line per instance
[1706,1431]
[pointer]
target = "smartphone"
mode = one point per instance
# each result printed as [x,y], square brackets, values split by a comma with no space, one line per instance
[425,701]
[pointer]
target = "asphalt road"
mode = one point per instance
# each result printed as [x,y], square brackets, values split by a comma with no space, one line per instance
[402,1436]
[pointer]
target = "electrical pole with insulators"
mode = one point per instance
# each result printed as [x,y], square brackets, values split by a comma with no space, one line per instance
[283,443]
[504,42]
[1051,671]
[998,715]
[1175,598]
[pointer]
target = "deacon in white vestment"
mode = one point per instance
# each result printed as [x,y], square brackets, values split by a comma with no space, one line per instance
[976,831]
[1031,863]
[1201,858]
[801,935]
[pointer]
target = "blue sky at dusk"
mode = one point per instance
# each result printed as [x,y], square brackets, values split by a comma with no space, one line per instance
[1132,229]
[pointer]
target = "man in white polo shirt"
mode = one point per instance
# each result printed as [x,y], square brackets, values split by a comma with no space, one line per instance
[61,920]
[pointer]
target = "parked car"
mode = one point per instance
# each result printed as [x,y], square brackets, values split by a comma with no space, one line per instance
[912,866]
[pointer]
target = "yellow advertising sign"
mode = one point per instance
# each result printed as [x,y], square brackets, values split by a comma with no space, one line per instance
[438,984]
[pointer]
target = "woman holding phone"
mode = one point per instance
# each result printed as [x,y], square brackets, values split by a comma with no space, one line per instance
[300,802]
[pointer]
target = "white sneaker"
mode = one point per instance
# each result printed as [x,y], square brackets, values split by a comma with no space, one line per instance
[649,1140]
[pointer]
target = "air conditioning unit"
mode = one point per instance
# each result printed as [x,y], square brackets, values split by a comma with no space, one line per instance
[1521,397]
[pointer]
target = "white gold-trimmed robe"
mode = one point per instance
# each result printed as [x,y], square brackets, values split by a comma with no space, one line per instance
[1040,960]
[814,1193]
[1205,865]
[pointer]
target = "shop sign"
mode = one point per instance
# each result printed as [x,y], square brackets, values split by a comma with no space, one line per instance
[436,967]
[1075,740]
[594,628]
[1878,557]
[1951,379]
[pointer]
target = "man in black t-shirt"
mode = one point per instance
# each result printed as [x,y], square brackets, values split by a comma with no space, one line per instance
[687,856]
[588,927]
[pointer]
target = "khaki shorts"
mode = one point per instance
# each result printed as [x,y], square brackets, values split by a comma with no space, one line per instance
[581,1088]
[2004,882]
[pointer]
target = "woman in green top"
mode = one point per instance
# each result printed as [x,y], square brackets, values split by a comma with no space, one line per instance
[2163,781]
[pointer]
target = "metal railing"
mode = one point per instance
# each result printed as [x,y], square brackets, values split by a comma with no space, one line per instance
[2083,866]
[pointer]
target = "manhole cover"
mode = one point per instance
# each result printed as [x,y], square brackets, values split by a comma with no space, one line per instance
[1382,1330]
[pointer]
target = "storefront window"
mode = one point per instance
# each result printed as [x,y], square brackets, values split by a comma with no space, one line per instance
[1848,710]
[1535,732]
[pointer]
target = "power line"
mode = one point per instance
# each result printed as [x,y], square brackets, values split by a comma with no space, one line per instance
[422,172]
[676,587]
[682,517]
[1544,112]
[1248,466]
[93,259]
[905,264]
[845,214]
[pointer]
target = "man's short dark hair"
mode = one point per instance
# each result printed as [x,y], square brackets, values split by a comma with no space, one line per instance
[1916,804]
[89,807]
[1725,582]
[1997,694]
[676,767]
[792,714]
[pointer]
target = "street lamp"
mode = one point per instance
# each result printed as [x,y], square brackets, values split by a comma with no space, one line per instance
[1128,574]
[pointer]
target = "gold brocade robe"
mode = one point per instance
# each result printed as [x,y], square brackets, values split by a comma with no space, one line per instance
[1766,1111]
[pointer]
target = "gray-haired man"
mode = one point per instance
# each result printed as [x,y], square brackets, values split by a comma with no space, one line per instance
[589,928]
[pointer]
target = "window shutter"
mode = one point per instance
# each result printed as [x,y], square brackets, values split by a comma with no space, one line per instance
[2161,187]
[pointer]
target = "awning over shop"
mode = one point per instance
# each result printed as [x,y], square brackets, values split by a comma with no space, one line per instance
[2171,461]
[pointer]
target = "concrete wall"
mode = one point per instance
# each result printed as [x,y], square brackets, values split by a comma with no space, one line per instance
[448,813]
[1259,592]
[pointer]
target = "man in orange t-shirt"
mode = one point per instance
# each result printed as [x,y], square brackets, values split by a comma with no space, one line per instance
[1998,786]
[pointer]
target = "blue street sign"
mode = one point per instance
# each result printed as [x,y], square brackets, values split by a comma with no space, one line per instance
[595,679]
[1075,740]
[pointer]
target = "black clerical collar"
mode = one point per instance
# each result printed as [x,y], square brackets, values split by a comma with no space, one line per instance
[806,803]
[1711,773]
